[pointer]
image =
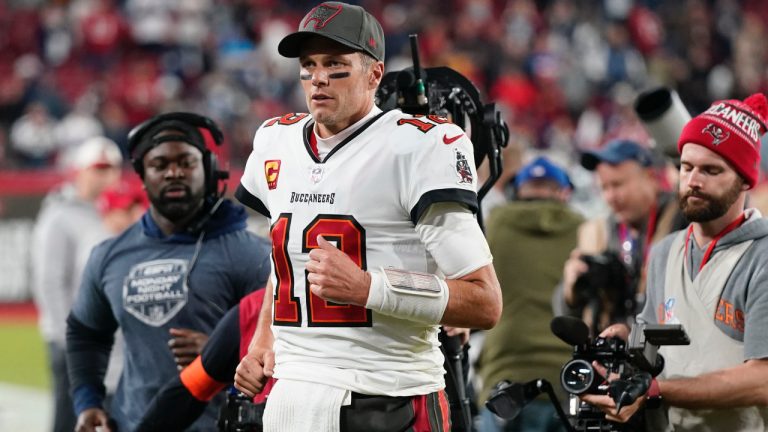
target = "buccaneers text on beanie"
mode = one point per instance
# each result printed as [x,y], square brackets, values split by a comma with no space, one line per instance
[732,129]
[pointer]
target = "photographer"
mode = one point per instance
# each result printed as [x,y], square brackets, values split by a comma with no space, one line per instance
[641,214]
[532,237]
[711,278]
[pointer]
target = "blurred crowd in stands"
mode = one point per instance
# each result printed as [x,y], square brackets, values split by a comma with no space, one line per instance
[565,71]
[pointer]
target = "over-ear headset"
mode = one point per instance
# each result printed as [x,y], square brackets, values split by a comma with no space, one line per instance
[141,139]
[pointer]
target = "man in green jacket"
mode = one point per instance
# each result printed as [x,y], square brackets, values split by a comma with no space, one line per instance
[530,238]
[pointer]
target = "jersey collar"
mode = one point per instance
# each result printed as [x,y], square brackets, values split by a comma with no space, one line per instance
[335,142]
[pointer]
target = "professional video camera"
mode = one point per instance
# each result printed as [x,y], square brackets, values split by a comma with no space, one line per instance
[607,285]
[240,414]
[445,92]
[634,363]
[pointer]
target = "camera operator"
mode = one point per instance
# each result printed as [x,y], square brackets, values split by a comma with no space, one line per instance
[641,214]
[711,278]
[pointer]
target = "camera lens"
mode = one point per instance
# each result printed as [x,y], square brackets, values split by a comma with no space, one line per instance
[577,376]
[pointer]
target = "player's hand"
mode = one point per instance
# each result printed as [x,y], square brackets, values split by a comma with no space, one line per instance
[333,276]
[186,345]
[90,419]
[254,370]
[574,267]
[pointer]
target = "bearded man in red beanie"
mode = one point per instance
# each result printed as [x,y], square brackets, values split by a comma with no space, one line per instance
[713,279]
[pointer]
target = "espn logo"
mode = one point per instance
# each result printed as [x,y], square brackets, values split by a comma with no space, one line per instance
[271,172]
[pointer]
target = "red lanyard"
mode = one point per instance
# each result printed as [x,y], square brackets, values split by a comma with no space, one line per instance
[649,232]
[731,226]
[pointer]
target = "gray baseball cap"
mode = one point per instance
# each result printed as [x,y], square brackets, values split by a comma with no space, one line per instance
[346,24]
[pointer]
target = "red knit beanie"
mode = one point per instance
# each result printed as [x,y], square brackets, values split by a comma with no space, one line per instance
[732,129]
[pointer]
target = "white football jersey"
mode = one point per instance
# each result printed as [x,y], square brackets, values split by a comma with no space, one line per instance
[365,196]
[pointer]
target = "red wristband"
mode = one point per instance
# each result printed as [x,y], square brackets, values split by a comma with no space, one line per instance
[653,396]
[653,390]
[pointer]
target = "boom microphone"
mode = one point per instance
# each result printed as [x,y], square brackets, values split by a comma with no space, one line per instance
[405,79]
[410,91]
[570,330]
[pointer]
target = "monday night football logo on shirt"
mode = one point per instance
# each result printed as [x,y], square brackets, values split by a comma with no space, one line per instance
[154,291]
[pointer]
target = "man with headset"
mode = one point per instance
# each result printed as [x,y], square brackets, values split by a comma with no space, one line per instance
[175,268]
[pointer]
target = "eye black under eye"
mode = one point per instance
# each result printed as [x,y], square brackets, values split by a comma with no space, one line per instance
[338,75]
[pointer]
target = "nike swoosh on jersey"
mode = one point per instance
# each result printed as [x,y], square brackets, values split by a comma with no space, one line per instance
[450,140]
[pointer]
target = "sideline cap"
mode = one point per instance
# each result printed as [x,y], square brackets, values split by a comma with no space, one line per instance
[347,24]
[542,169]
[122,196]
[616,152]
[96,152]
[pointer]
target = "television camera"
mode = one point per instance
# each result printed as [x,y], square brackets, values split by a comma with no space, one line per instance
[240,414]
[445,92]
[634,362]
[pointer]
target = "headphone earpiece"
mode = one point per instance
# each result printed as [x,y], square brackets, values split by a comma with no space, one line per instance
[213,175]
[210,163]
[138,166]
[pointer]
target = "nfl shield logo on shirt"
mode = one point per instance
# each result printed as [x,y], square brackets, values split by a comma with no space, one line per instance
[316,173]
[271,172]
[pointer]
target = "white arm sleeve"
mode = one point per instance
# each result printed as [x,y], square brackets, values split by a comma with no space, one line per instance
[453,237]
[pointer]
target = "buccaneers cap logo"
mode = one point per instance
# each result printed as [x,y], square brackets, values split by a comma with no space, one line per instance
[321,15]
[718,134]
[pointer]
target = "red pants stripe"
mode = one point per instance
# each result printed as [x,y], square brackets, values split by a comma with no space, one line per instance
[426,413]
[432,413]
